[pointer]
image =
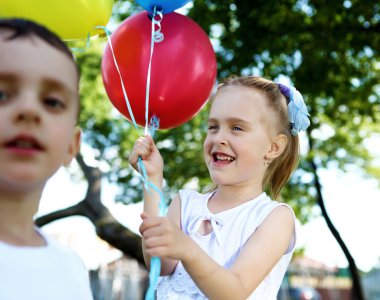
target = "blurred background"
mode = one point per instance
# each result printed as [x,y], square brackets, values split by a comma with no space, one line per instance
[329,50]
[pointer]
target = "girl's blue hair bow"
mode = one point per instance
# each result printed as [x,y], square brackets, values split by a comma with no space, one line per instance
[297,110]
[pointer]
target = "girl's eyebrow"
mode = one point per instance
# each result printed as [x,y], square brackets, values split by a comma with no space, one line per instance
[230,120]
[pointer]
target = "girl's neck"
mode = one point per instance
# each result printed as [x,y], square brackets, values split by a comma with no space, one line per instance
[227,197]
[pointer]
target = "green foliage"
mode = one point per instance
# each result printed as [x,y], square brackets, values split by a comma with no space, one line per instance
[328,49]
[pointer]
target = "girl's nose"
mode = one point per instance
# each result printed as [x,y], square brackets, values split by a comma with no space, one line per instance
[220,138]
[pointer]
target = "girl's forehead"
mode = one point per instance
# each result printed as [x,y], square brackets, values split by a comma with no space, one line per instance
[235,97]
[238,103]
[239,91]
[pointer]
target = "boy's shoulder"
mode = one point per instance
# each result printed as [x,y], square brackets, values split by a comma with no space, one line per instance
[54,253]
[60,249]
[33,268]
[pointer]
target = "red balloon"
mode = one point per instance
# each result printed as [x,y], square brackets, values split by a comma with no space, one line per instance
[183,70]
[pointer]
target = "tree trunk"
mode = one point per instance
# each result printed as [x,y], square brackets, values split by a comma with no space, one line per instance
[107,227]
[357,292]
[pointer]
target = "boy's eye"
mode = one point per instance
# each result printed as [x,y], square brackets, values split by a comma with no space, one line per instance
[54,103]
[4,96]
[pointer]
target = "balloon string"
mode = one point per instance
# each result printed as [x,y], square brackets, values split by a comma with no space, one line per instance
[81,50]
[153,126]
[108,33]
[155,262]
[156,37]
[88,38]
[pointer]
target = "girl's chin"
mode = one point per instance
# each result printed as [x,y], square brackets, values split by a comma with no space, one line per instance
[219,180]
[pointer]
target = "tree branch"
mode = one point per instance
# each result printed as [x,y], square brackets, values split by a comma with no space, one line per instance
[107,227]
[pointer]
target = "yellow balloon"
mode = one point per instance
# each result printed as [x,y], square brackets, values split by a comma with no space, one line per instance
[70,19]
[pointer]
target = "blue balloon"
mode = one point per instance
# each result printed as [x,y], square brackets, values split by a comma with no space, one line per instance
[166,6]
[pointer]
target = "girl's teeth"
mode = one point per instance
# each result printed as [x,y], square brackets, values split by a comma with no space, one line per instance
[222,157]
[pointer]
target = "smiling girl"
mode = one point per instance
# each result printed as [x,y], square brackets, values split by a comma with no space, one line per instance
[236,241]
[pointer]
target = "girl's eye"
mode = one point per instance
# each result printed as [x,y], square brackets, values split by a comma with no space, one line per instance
[54,103]
[237,128]
[212,127]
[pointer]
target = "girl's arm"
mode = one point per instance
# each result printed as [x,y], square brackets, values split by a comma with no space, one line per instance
[145,148]
[258,257]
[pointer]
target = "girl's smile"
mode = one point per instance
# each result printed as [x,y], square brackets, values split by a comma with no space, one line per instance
[222,158]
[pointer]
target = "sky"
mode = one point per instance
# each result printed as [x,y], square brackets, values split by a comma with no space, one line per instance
[353,204]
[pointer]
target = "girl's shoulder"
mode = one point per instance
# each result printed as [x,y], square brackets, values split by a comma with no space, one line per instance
[185,192]
[188,195]
[265,206]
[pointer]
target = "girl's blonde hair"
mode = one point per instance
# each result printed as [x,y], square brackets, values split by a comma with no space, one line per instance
[281,168]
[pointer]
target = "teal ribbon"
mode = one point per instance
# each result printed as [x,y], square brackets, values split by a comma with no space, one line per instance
[155,262]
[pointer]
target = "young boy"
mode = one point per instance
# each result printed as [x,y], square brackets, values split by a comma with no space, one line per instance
[39,105]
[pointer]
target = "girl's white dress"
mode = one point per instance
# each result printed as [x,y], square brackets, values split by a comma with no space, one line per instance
[231,229]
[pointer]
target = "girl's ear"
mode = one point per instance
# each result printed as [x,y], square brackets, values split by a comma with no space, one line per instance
[74,146]
[277,147]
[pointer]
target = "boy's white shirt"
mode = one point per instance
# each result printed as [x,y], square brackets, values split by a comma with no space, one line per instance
[49,272]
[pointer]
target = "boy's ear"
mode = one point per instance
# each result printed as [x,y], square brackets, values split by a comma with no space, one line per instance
[277,147]
[74,146]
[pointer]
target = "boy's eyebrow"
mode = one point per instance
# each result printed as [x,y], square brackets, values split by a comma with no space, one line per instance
[59,85]
[10,77]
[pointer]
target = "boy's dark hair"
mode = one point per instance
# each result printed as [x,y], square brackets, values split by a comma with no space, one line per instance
[24,28]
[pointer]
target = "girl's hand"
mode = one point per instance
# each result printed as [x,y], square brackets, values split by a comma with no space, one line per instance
[162,237]
[145,148]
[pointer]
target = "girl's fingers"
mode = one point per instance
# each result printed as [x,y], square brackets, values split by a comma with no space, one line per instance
[163,246]
[154,242]
[154,231]
[158,246]
[158,251]
[149,222]
[143,147]
[143,216]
